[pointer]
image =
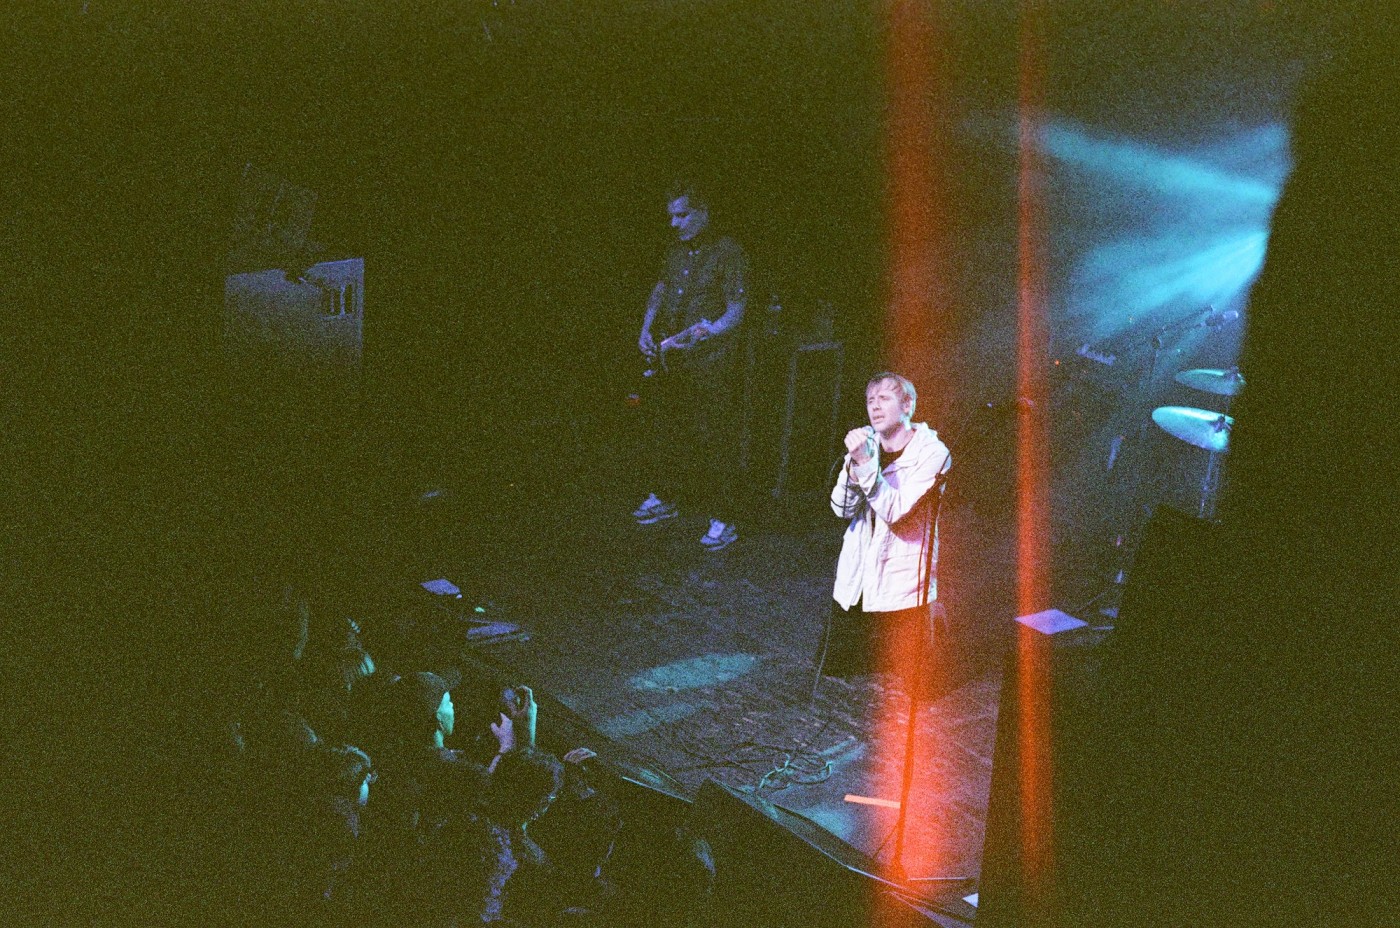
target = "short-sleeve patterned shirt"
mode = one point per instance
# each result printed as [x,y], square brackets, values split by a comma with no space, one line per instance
[701,279]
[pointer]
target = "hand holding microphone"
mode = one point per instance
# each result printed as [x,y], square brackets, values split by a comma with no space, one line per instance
[860,442]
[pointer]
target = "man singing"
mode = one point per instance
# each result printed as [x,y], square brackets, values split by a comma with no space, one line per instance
[885,577]
[691,337]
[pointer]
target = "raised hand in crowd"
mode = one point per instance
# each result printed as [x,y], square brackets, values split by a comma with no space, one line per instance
[516,726]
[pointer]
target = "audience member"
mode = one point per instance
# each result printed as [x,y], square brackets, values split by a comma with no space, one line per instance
[674,889]
[329,819]
[446,841]
[329,664]
[524,783]
[432,857]
[578,836]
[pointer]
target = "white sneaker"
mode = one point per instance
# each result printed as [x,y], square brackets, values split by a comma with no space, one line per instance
[648,504]
[720,536]
[653,510]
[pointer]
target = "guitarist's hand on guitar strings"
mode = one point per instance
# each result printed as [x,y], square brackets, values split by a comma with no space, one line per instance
[688,338]
[700,331]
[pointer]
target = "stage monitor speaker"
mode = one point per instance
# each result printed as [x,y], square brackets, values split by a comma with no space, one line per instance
[1019,884]
[1119,819]
[777,869]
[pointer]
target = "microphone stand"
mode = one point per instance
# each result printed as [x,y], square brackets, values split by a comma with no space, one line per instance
[934,499]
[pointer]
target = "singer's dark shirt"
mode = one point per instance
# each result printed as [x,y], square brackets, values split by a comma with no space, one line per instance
[889,457]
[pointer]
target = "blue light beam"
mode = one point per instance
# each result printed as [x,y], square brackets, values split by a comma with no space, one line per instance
[1166,230]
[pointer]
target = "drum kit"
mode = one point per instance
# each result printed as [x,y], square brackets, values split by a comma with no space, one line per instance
[1202,428]
[1205,429]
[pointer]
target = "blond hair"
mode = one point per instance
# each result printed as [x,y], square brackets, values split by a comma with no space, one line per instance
[906,386]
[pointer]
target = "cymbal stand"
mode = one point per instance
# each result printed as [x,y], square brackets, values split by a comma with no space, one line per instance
[1210,485]
[1156,342]
[1211,482]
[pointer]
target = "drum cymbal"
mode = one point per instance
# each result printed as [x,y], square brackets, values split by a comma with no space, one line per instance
[1199,427]
[1221,383]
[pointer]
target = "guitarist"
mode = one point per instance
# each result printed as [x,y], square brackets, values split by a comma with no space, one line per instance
[691,339]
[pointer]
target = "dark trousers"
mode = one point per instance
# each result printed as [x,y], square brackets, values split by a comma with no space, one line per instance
[901,642]
[693,452]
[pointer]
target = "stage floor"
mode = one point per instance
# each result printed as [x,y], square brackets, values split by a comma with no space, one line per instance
[705,662]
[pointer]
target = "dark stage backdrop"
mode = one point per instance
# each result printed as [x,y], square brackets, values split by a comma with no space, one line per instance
[502,170]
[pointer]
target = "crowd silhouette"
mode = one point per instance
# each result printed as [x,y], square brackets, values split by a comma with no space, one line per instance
[368,794]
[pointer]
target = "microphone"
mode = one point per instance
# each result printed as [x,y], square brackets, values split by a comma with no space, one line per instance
[1216,319]
[869,431]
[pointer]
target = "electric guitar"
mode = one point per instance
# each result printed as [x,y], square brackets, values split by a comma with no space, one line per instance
[656,360]
[653,368]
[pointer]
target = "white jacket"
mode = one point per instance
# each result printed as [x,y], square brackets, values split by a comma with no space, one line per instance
[885,548]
